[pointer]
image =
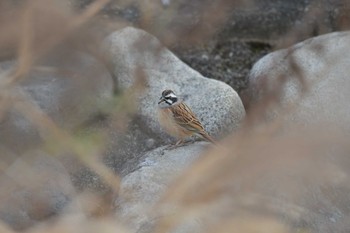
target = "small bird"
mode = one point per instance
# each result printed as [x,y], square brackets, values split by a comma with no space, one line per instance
[178,120]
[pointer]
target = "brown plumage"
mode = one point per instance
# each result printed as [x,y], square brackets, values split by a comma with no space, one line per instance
[178,119]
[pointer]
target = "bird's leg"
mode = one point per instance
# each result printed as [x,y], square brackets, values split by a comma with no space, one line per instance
[179,143]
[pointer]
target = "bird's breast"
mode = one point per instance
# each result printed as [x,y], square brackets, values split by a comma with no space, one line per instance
[166,120]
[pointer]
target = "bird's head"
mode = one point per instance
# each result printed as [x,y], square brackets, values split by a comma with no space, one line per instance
[168,97]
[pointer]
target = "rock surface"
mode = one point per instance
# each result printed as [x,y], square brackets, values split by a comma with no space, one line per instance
[141,189]
[33,188]
[229,61]
[133,51]
[322,64]
[68,87]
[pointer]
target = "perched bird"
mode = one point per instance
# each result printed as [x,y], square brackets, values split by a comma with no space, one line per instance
[178,120]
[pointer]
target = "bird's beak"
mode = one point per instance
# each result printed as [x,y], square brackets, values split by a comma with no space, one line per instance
[161,100]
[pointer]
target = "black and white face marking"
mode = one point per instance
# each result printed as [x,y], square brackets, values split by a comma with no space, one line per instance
[169,97]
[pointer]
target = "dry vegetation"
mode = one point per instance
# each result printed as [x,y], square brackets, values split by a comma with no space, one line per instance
[33,31]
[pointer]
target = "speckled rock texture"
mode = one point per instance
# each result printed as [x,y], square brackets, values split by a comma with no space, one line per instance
[315,73]
[215,103]
[142,189]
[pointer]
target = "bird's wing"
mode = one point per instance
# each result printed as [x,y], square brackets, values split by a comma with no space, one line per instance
[184,117]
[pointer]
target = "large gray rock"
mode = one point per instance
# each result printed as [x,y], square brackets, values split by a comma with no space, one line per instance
[141,189]
[69,87]
[33,188]
[135,55]
[322,64]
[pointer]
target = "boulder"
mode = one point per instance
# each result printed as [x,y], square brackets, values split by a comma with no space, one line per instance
[315,80]
[33,188]
[69,87]
[140,190]
[137,56]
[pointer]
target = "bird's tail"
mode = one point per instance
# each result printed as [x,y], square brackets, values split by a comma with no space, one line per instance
[206,137]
